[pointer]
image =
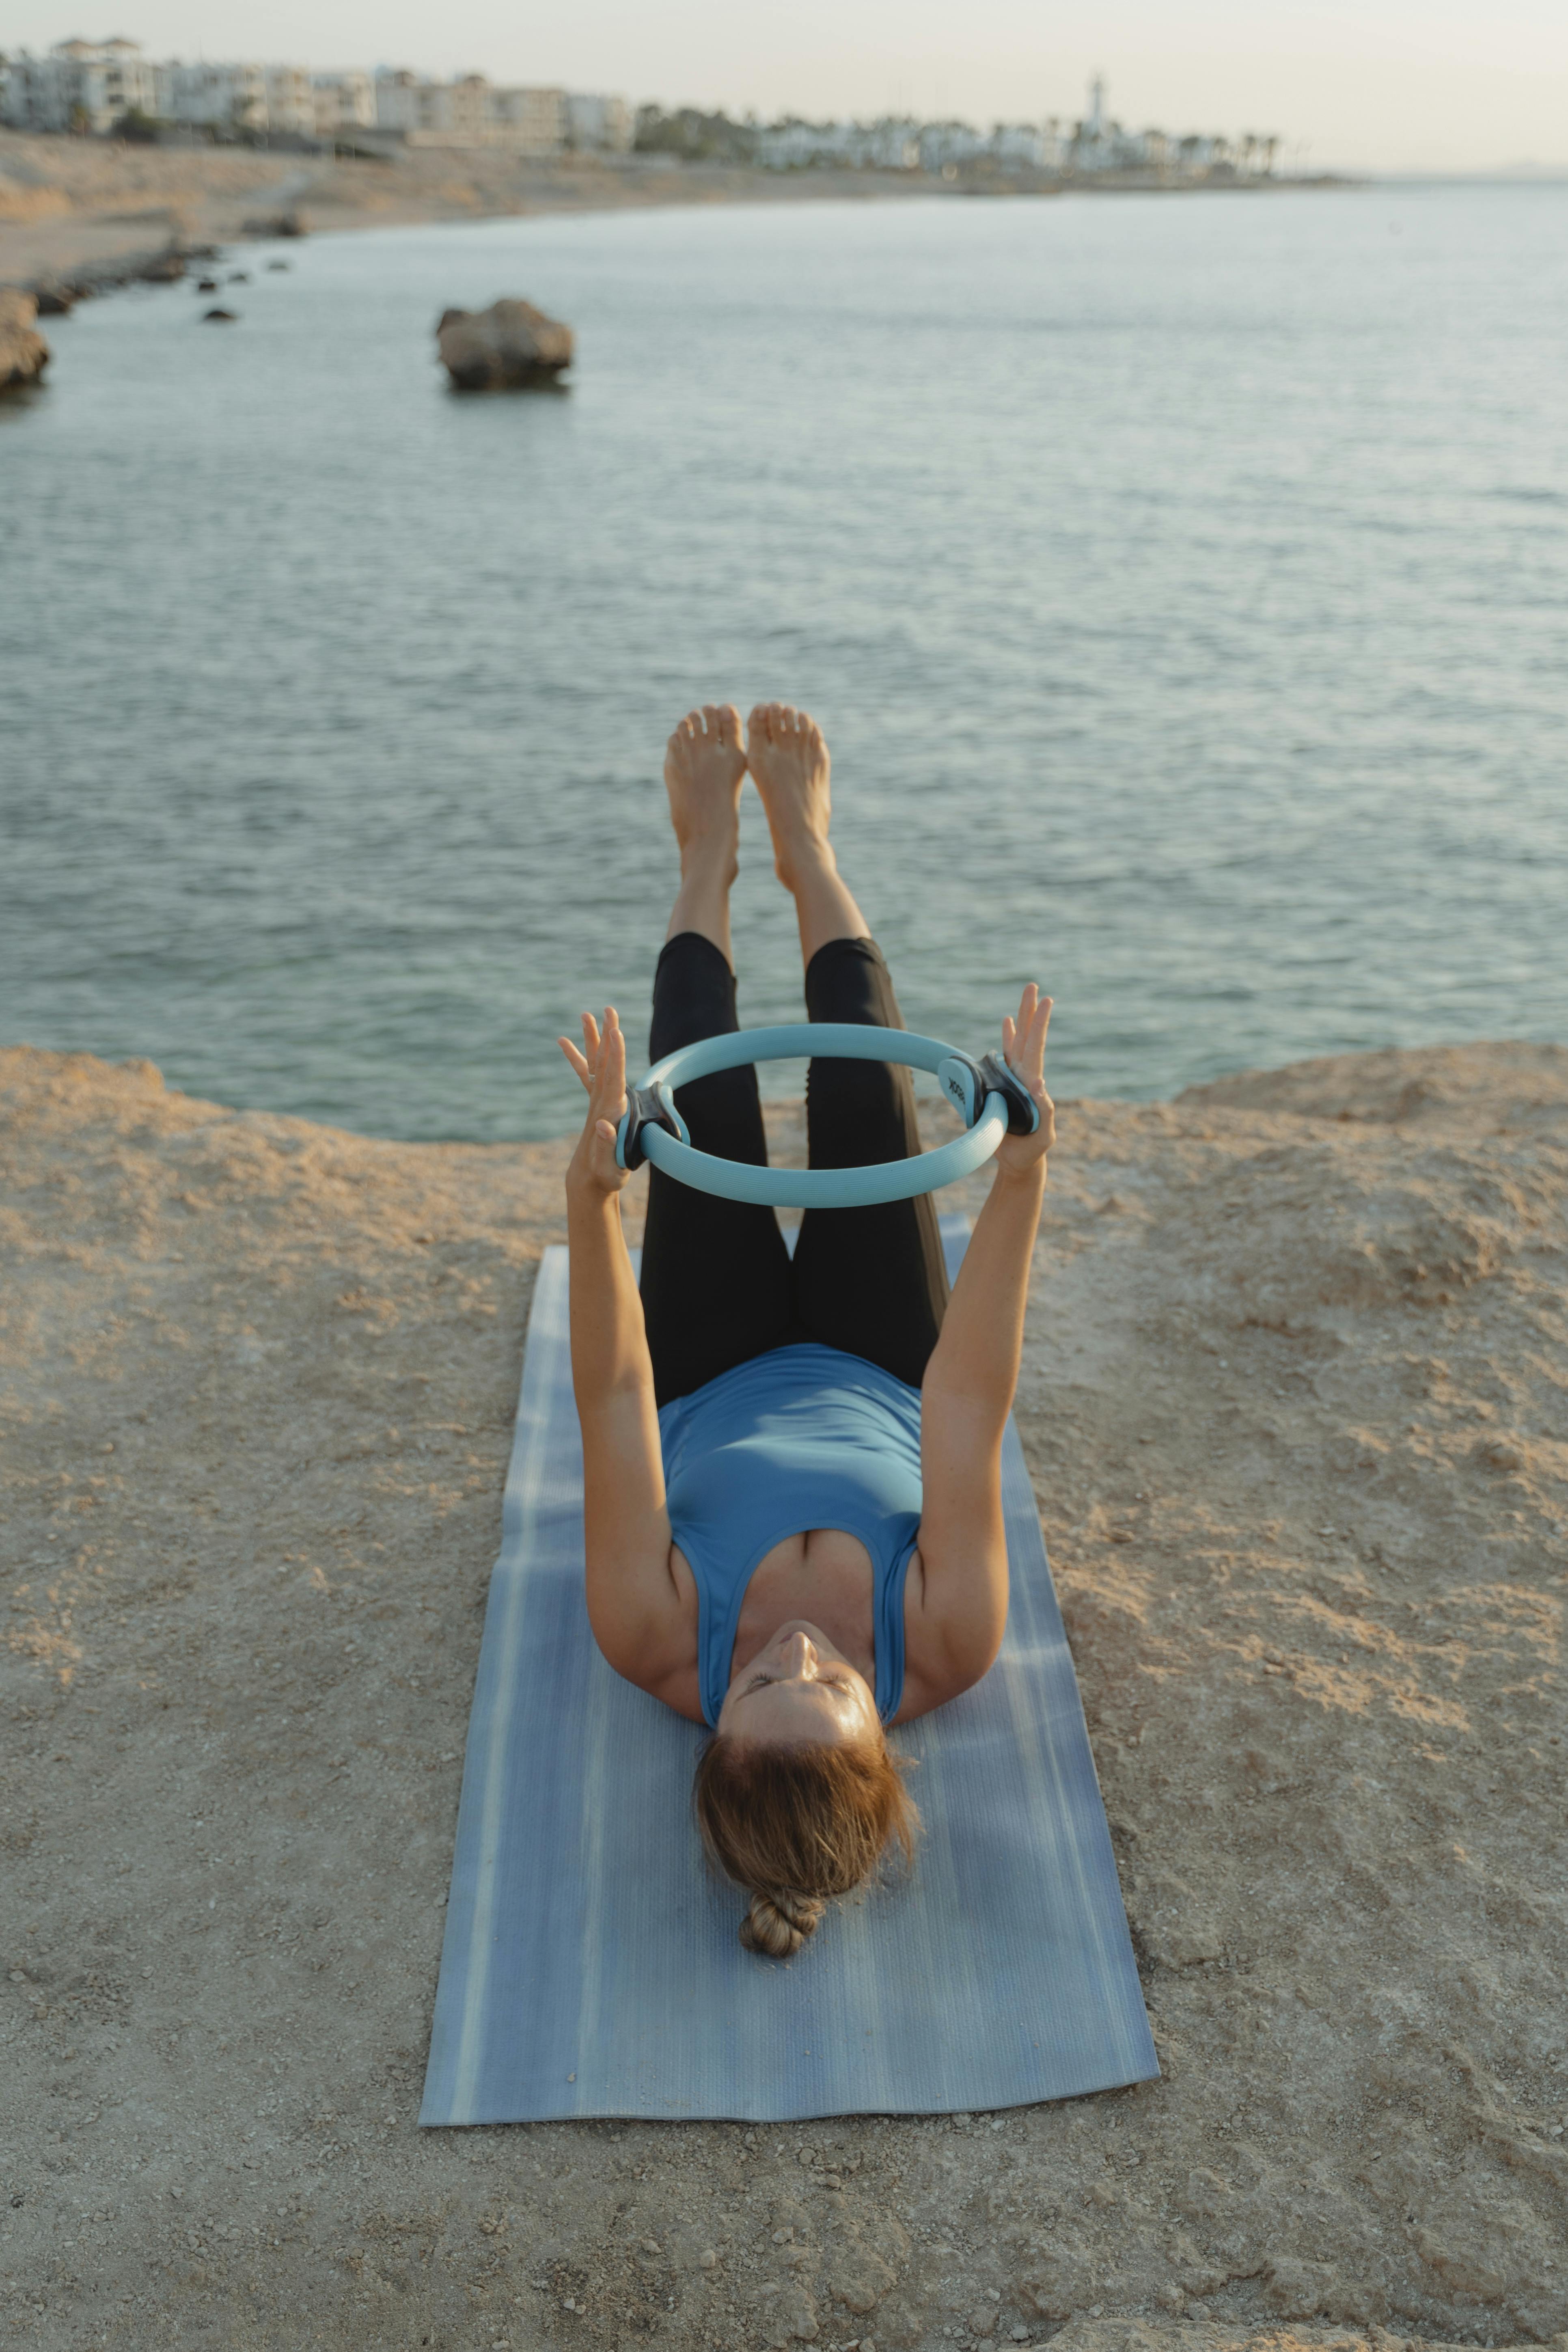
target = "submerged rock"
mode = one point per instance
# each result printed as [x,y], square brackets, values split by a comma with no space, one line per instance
[24,354]
[222,316]
[505,348]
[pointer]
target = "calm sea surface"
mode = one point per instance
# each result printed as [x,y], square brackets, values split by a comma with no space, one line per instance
[1181,584]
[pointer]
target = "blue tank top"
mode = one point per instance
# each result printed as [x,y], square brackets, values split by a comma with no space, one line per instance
[799,1438]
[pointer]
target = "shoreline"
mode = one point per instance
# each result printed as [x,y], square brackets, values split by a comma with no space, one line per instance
[1292,1403]
[102,214]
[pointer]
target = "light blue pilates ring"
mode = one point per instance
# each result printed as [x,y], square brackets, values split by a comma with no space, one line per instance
[989,1098]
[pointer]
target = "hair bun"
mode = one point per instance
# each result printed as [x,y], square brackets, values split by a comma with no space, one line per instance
[779,1924]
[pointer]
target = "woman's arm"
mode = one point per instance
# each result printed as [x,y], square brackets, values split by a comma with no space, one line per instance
[635,1607]
[967,1394]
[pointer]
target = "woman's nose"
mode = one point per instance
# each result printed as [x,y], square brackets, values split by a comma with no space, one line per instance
[799,1654]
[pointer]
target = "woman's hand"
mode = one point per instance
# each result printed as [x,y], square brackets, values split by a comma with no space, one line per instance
[1024,1048]
[602,1066]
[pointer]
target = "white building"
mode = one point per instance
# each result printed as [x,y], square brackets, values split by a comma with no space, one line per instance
[528,121]
[1026,146]
[394,101]
[892,144]
[92,85]
[472,113]
[290,102]
[79,86]
[602,126]
[343,102]
[945,144]
[214,97]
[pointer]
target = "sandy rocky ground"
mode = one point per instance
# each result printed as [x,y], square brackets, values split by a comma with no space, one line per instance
[1296,1401]
[66,203]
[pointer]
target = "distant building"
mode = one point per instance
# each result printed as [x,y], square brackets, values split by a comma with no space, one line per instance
[1099,144]
[529,121]
[93,85]
[215,96]
[79,86]
[948,146]
[601,126]
[1024,146]
[290,102]
[472,113]
[342,102]
[891,144]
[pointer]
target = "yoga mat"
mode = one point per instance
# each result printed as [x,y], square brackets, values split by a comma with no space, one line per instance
[591,1965]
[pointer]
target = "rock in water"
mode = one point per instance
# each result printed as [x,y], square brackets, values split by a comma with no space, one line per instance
[510,345]
[24,354]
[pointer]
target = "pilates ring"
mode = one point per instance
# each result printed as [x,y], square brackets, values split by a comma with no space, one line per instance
[988,1096]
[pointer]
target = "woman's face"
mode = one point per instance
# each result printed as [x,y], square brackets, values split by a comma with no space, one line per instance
[799,1691]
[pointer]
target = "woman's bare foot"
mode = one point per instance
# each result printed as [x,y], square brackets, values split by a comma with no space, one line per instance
[704,768]
[787,755]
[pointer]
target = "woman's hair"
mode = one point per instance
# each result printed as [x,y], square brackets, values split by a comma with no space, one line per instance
[797,1825]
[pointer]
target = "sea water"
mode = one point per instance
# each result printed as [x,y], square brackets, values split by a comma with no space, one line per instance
[1181,582]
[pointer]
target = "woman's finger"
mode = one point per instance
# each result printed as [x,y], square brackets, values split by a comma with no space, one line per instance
[611,1073]
[578,1064]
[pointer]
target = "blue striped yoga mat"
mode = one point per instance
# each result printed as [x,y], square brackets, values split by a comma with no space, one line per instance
[591,1966]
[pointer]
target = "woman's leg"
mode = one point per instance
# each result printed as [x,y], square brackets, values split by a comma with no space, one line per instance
[870,1281]
[715,1274]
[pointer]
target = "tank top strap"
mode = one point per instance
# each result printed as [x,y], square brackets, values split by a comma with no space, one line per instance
[889,1618]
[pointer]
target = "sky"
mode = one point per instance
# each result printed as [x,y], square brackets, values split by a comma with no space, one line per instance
[1379,85]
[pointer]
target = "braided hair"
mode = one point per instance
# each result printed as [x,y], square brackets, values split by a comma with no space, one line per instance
[796,1826]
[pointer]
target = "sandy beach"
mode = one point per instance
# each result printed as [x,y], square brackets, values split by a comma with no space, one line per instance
[66,203]
[1293,1400]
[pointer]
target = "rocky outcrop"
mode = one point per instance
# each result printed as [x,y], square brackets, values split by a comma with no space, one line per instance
[24,354]
[506,348]
[166,266]
[289,223]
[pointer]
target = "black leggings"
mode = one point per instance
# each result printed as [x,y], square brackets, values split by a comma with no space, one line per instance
[718,1284]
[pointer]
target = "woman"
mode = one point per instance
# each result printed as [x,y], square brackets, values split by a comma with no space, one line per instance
[791,1472]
